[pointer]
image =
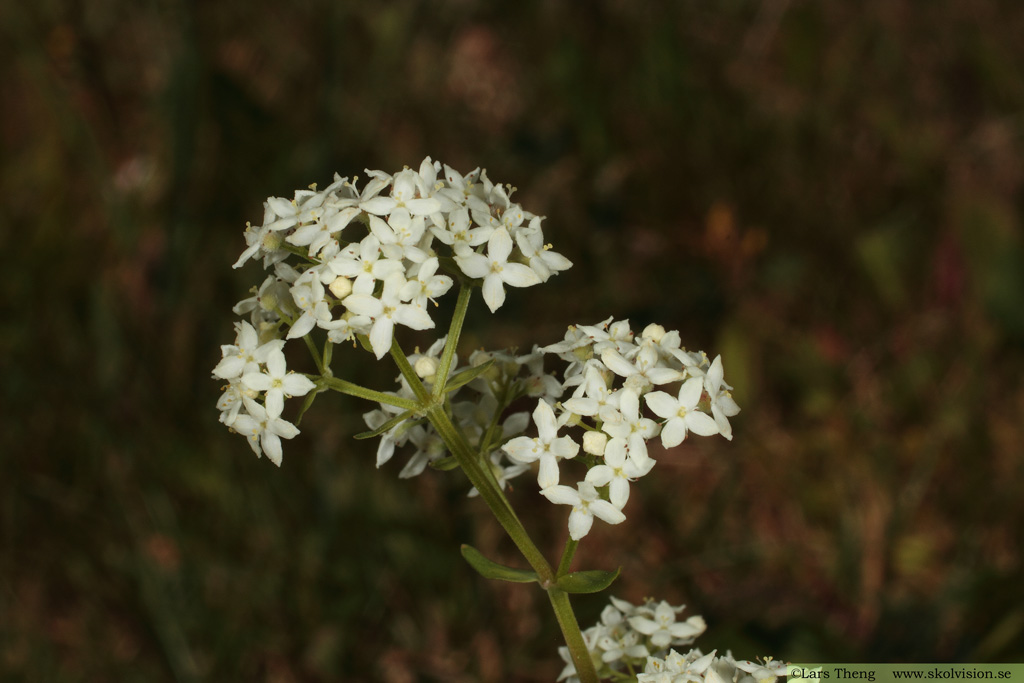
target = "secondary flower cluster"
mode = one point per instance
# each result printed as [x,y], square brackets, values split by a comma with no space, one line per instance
[618,384]
[629,637]
[359,261]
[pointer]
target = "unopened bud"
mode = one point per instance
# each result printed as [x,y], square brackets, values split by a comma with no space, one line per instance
[272,241]
[341,287]
[594,442]
[426,367]
[653,332]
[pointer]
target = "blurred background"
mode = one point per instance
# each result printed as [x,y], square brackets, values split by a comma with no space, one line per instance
[827,194]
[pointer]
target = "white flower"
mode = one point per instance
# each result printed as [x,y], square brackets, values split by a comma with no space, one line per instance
[364,263]
[643,371]
[722,404]
[386,311]
[682,413]
[399,235]
[586,504]
[548,447]
[663,629]
[542,260]
[308,294]
[627,423]
[321,231]
[495,269]
[277,382]
[263,431]
[617,471]
[405,191]
[245,354]
[427,285]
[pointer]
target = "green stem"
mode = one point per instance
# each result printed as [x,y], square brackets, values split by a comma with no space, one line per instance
[409,374]
[506,516]
[573,636]
[570,550]
[454,331]
[369,394]
[495,500]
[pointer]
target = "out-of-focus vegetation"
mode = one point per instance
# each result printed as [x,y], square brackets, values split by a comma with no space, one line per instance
[828,194]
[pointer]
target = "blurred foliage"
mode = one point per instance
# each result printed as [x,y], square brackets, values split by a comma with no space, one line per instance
[829,194]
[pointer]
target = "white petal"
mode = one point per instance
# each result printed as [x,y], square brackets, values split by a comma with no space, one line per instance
[297,385]
[518,275]
[380,336]
[701,423]
[547,476]
[413,316]
[579,524]
[662,404]
[608,512]
[474,265]
[689,393]
[499,246]
[544,418]
[378,205]
[673,433]
[364,304]
[494,292]
[562,495]
[272,447]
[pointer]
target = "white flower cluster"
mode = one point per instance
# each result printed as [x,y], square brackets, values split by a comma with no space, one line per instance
[629,637]
[372,258]
[614,377]
[618,386]
[360,261]
[256,370]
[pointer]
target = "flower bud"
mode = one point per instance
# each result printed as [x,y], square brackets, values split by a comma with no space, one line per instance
[653,332]
[341,287]
[426,368]
[272,241]
[594,442]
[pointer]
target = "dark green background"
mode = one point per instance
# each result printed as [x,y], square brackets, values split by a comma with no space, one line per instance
[828,194]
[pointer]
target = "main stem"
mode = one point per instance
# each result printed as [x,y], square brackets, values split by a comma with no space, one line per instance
[493,496]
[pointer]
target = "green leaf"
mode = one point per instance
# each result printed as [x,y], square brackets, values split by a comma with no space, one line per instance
[310,397]
[492,570]
[445,464]
[467,376]
[591,581]
[384,427]
[364,341]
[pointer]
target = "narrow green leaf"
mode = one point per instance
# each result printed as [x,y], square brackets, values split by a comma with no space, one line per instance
[384,427]
[467,376]
[492,570]
[445,464]
[591,581]
[310,397]
[364,341]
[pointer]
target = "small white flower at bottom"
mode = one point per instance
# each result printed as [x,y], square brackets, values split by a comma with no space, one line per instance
[586,504]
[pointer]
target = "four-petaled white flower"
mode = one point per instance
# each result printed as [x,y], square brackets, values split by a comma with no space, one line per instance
[586,504]
[663,629]
[495,269]
[548,447]
[682,413]
[277,382]
[386,311]
[263,430]
[617,471]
